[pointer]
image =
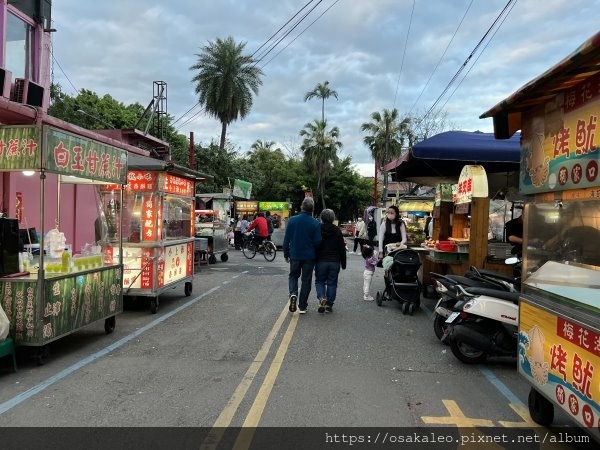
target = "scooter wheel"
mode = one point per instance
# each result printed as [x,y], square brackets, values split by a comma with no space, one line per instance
[466,353]
[439,326]
[541,409]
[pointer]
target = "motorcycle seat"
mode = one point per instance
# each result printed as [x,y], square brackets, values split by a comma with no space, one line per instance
[502,295]
[492,274]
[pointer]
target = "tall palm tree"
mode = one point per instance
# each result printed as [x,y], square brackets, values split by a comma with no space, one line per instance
[385,139]
[323,92]
[320,147]
[225,81]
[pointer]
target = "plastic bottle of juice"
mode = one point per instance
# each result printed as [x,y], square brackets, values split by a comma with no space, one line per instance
[65,261]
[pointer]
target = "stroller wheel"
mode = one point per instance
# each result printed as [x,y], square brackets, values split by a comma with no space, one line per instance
[378,298]
[404,308]
[411,308]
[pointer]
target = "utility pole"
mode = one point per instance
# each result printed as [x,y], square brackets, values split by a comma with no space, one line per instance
[385,153]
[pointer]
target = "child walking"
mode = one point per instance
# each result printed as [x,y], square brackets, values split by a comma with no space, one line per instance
[370,257]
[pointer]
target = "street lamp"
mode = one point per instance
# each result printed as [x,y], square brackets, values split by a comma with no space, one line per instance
[81,111]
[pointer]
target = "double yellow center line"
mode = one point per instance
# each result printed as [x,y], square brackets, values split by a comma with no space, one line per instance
[253,418]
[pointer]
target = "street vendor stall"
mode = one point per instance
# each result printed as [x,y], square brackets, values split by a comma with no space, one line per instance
[157,228]
[212,223]
[559,310]
[60,288]
[439,161]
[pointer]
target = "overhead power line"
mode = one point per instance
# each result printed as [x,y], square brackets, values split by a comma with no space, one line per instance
[63,72]
[457,74]
[441,58]
[404,53]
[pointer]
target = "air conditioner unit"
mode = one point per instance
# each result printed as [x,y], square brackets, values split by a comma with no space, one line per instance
[5,82]
[26,91]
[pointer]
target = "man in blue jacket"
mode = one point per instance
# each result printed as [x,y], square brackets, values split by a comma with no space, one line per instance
[302,236]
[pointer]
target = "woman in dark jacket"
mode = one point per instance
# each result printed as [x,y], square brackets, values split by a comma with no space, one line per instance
[331,256]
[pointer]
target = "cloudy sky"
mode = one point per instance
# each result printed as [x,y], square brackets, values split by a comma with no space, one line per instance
[375,54]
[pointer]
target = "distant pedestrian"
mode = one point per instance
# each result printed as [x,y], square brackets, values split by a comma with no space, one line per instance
[370,256]
[428,228]
[302,236]
[371,229]
[269,223]
[360,234]
[331,256]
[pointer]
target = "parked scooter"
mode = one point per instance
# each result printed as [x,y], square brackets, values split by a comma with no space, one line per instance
[445,286]
[486,326]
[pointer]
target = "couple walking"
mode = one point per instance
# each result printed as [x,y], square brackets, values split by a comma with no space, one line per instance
[309,245]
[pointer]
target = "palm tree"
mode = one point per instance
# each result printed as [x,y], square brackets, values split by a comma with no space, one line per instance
[225,81]
[385,140]
[323,92]
[320,148]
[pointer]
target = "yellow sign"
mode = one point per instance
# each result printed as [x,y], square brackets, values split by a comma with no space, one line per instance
[561,359]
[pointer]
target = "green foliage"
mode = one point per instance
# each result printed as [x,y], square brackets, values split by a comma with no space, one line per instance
[320,147]
[225,81]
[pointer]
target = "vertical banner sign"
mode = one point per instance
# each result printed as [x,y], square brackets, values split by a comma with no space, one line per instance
[70,154]
[19,207]
[147,268]
[20,148]
[149,228]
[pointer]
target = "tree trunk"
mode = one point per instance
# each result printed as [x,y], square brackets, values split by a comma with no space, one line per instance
[323,110]
[223,134]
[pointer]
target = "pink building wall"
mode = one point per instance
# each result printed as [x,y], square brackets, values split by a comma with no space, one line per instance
[78,206]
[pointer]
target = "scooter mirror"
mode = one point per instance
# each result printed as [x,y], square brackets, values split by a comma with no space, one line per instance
[512,260]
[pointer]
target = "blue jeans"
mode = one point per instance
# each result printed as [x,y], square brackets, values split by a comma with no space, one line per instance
[305,268]
[326,280]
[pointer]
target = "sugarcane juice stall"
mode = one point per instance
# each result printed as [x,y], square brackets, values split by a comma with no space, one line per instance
[559,311]
[59,290]
[157,228]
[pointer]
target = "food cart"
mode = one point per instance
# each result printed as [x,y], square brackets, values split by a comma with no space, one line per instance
[559,311]
[157,228]
[212,222]
[58,291]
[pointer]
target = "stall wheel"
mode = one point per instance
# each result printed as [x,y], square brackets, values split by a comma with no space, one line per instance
[154,305]
[212,259]
[188,288]
[541,409]
[42,354]
[224,257]
[378,299]
[109,324]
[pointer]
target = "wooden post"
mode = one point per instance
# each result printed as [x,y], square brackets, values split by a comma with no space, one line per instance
[478,244]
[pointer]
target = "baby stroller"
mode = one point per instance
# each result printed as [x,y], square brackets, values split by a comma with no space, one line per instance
[401,282]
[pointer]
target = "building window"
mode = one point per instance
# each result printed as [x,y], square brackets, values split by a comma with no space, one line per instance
[19,47]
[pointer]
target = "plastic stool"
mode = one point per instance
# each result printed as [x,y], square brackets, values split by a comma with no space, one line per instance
[7,347]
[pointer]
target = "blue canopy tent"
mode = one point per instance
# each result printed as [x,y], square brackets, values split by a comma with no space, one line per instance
[441,158]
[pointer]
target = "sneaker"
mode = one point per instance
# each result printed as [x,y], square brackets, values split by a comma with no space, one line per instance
[328,309]
[322,304]
[293,299]
[368,298]
[301,311]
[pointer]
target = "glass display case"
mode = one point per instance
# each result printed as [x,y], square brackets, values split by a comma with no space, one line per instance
[157,229]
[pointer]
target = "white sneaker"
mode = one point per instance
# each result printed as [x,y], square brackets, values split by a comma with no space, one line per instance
[368,298]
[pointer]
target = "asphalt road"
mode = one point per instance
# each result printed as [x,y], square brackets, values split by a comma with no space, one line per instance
[232,355]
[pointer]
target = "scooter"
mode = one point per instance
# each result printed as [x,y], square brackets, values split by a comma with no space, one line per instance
[486,326]
[445,286]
